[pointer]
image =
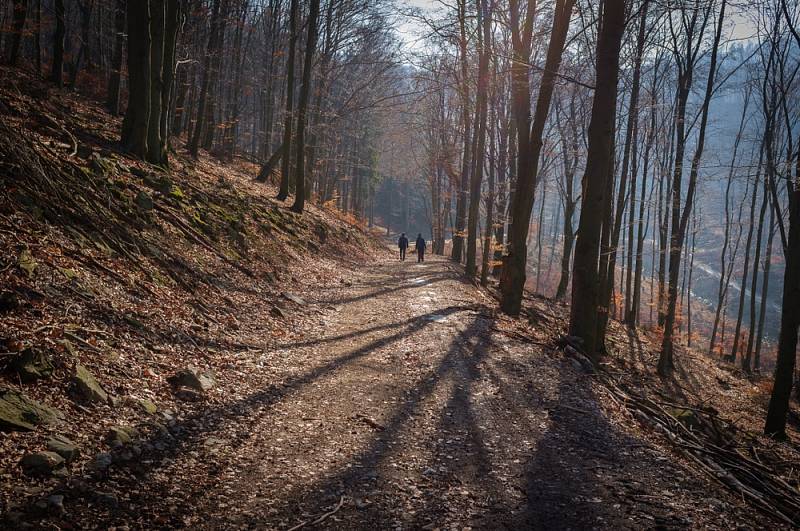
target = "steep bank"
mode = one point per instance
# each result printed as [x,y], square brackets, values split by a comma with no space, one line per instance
[130,293]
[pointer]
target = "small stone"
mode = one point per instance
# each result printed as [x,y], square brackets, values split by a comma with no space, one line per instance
[20,413]
[101,462]
[121,435]
[294,298]
[193,379]
[144,201]
[86,386]
[41,463]
[106,498]
[63,447]
[148,406]
[277,312]
[55,503]
[32,364]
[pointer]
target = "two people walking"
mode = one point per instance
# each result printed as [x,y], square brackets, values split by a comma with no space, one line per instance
[420,244]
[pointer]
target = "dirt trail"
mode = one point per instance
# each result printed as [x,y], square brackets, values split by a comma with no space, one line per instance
[408,407]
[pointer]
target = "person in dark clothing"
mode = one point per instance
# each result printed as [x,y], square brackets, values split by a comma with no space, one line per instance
[402,243]
[420,243]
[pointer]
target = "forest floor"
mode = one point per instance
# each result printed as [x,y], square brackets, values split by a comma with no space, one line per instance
[409,403]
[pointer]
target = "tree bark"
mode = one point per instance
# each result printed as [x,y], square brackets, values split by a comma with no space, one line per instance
[585,274]
[112,99]
[790,319]
[481,104]
[19,13]
[137,116]
[512,282]
[157,18]
[308,65]
[288,120]
[57,72]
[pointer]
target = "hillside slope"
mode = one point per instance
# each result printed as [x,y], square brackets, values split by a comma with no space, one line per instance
[126,275]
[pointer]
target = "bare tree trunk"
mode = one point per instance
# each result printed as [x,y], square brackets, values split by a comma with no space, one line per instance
[790,320]
[764,292]
[745,270]
[308,65]
[585,274]
[112,100]
[631,133]
[172,25]
[203,103]
[539,227]
[288,120]
[85,8]
[19,13]
[466,162]
[487,241]
[137,116]
[529,145]
[723,279]
[689,281]
[57,72]
[641,231]
[481,104]
[157,17]
[570,151]
[680,218]
[746,360]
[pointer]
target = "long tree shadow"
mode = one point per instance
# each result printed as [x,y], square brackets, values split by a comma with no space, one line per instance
[586,473]
[189,432]
[459,431]
[351,335]
[424,281]
[364,472]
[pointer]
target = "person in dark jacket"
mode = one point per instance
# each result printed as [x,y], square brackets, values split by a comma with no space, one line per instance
[402,243]
[420,243]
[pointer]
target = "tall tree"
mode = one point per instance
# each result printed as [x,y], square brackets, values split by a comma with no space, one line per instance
[57,70]
[481,103]
[112,98]
[305,89]
[137,116]
[529,143]
[680,218]
[790,311]
[19,13]
[599,163]
[286,163]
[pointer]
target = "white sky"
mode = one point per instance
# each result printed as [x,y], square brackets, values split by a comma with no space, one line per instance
[738,23]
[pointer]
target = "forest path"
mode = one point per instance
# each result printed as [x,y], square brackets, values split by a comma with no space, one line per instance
[400,399]
[407,408]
